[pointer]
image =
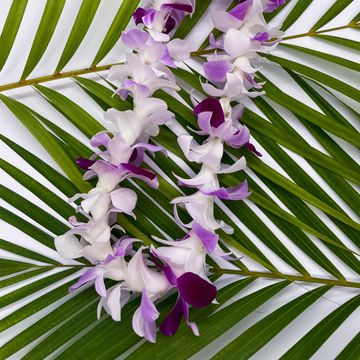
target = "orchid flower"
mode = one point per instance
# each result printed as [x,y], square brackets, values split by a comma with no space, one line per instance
[145,80]
[153,285]
[192,290]
[209,153]
[120,163]
[162,19]
[94,240]
[154,52]
[201,208]
[188,254]
[213,121]
[99,203]
[141,122]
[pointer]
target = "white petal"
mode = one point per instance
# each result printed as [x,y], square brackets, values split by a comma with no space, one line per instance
[140,276]
[68,246]
[179,49]
[236,42]
[224,21]
[116,299]
[237,166]
[138,322]
[119,150]
[97,202]
[158,36]
[116,269]
[124,199]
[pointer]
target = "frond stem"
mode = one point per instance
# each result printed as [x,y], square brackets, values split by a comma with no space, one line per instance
[257,274]
[55,76]
[66,74]
[314,33]
[278,275]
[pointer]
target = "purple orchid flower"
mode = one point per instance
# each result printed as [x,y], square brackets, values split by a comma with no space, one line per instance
[114,267]
[192,290]
[163,19]
[211,120]
[117,164]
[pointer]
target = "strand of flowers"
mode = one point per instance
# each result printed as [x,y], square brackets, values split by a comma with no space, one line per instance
[179,265]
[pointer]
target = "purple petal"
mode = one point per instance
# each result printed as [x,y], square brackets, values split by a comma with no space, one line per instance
[169,25]
[84,163]
[176,6]
[217,70]
[272,5]
[148,309]
[100,285]
[216,44]
[170,276]
[159,263]
[149,315]
[138,14]
[211,105]
[251,82]
[261,36]
[252,148]
[149,147]
[239,138]
[137,157]
[122,246]
[171,323]
[208,238]
[166,58]
[149,18]
[123,93]
[238,192]
[195,290]
[135,38]
[239,11]
[89,275]
[143,174]
[100,139]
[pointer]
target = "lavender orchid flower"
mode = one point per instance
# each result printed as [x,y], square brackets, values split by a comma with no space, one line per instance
[94,240]
[162,19]
[212,121]
[192,290]
[153,285]
[140,123]
[201,208]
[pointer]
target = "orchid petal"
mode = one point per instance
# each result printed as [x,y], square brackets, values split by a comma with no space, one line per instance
[143,174]
[236,43]
[217,70]
[144,318]
[238,192]
[88,276]
[195,290]
[208,238]
[135,38]
[124,200]
[172,322]
[211,105]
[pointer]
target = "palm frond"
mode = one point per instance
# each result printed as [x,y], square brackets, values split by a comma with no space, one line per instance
[298,234]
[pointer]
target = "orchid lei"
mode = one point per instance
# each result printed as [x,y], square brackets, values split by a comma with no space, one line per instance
[181,264]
